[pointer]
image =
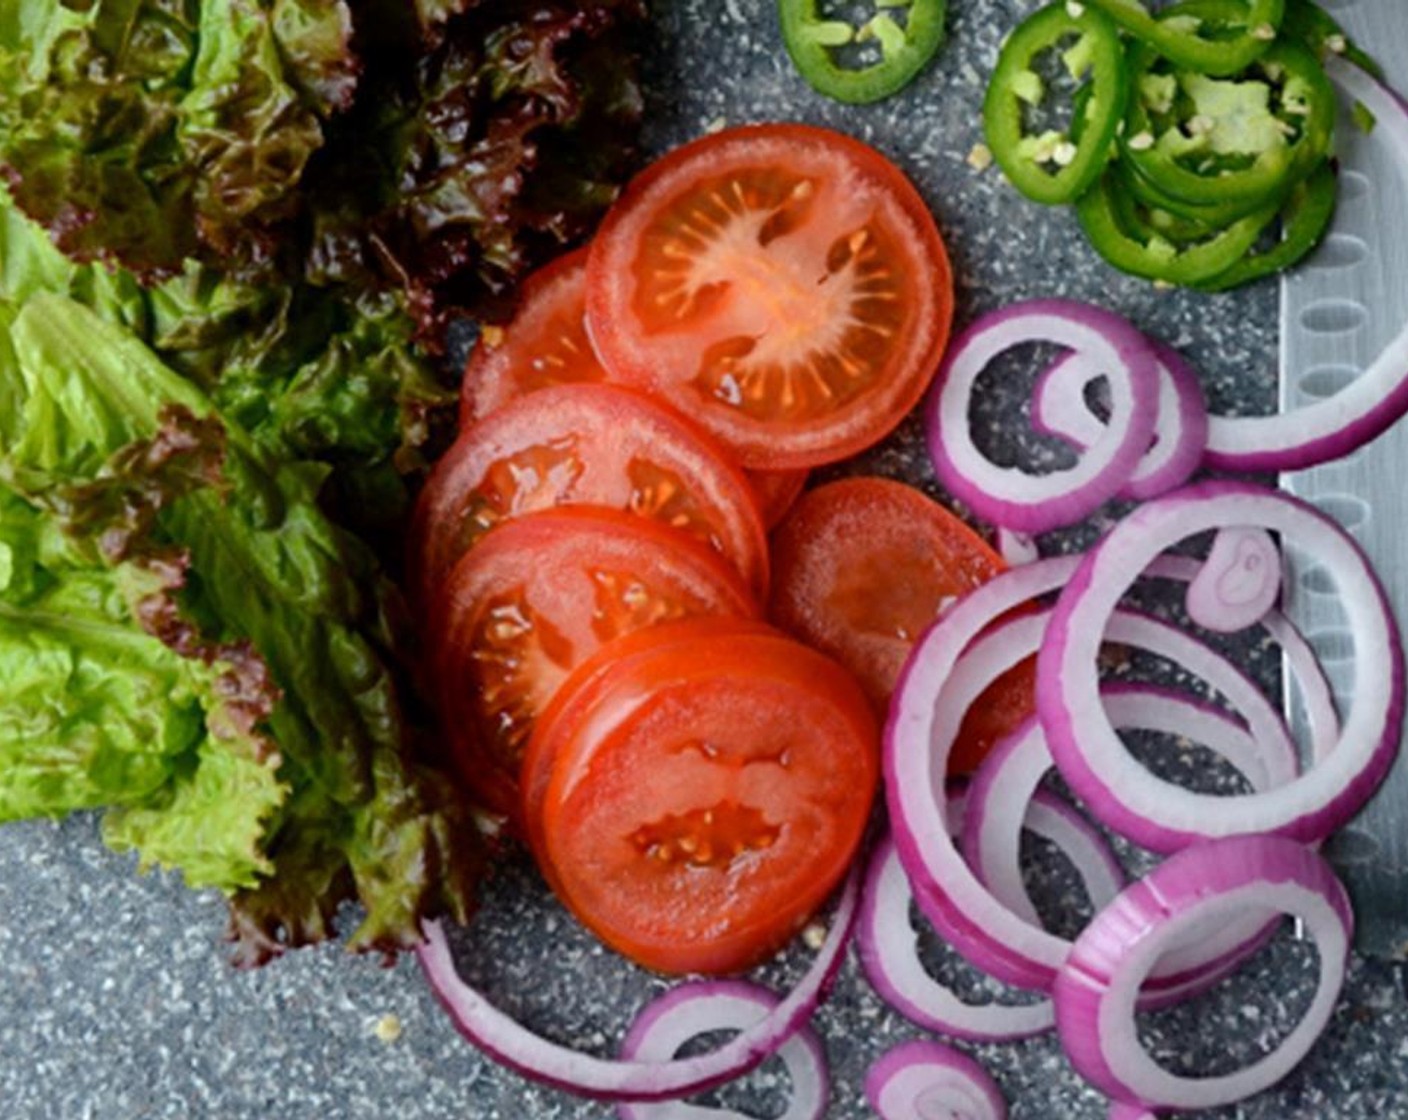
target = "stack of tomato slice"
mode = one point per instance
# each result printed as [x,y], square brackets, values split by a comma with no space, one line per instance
[590,560]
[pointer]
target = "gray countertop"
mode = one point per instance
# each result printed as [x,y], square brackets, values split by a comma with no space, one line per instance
[116,998]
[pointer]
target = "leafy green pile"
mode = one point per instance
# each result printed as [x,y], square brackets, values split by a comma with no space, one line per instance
[189,642]
[217,387]
[442,148]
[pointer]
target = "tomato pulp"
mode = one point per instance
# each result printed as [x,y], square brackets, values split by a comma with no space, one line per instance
[584,445]
[697,791]
[862,567]
[537,597]
[783,285]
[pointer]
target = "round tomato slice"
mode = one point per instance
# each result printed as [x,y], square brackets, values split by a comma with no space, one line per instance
[862,567]
[545,343]
[537,597]
[708,794]
[584,445]
[784,285]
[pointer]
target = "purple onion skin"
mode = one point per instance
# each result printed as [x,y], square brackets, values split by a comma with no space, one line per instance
[1122,1110]
[762,998]
[1188,878]
[1063,732]
[625,1081]
[1190,424]
[1133,350]
[1324,449]
[944,639]
[927,1053]
[1159,992]
[1192,428]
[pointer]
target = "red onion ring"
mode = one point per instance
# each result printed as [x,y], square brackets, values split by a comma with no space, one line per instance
[1009,496]
[887,943]
[1163,817]
[512,1044]
[952,897]
[887,946]
[1368,405]
[1315,692]
[1098,988]
[1013,771]
[1238,583]
[690,1010]
[1180,432]
[926,1080]
[1011,774]
[995,651]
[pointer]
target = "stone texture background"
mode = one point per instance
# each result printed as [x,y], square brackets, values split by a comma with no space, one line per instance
[116,1000]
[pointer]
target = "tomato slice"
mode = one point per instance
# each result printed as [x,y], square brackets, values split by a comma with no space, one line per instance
[784,285]
[862,567]
[584,445]
[777,492]
[537,597]
[545,343]
[707,791]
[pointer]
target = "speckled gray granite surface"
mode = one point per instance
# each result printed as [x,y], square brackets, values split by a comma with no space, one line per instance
[116,1001]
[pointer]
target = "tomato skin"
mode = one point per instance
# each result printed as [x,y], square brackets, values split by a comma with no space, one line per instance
[545,344]
[536,598]
[583,444]
[997,712]
[708,785]
[777,493]
[784,285]
[862,567]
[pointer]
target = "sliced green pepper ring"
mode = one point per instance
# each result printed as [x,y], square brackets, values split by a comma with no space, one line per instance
[1181,39]
[1057,167]
[1308,23]
[1139,248]
[1304,220]
[1210,215]
[1213,142]
[814,41]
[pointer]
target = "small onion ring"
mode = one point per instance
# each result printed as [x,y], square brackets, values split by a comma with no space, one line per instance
[690,1010]
[1123,1110]
[950,894]
[1036,503]
[512,1044]
[887,943]
[1238,583]
[1011,775]
[1180,433]
[1316,694]
[925,1080]
[1100,982]
[1157,814]
[1369,404]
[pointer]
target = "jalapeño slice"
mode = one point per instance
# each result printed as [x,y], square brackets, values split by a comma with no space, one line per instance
[1216,47]
[1132,241]
[819,43]
[1219,141]
[1057,166]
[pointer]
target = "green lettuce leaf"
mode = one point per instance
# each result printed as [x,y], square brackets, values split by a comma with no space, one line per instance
[440,149]
[224,566]
[102,712]
[149,132]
